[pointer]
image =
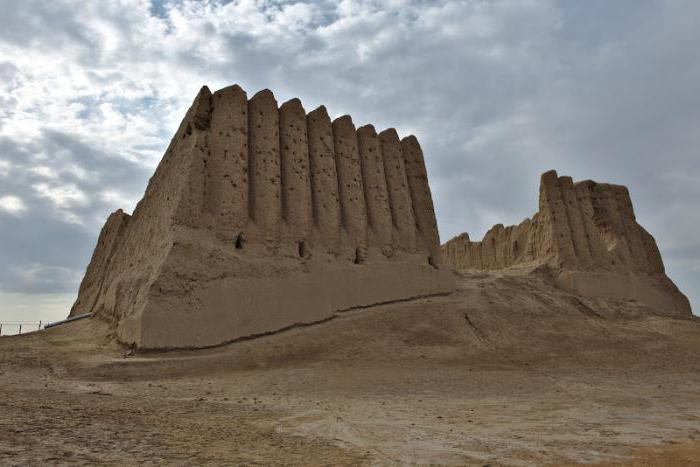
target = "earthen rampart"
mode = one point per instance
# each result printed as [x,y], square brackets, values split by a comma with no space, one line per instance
[260,217]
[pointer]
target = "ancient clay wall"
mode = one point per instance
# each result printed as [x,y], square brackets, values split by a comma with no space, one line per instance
[579,225]
[585,232]
[281,177]
[252,190]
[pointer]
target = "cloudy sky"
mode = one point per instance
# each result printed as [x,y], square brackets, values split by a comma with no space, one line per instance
[496,91]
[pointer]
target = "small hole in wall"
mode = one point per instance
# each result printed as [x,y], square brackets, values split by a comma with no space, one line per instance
[240,241]
[431,261]
[301,249]
[360,256]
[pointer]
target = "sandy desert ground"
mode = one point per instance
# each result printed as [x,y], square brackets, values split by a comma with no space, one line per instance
[507,371]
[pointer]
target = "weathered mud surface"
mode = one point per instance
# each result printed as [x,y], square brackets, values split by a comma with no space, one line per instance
[510,370]
[261,217]
[587,235]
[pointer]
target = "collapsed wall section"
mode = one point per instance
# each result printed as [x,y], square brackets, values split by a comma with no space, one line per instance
[586,233]
[175,194]
[107,243]
[260,217]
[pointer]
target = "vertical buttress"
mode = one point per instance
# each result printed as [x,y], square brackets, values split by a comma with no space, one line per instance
[610,219]
[264,166]
[630,228]
[324,179]
[552,204]
[294,157]
[421,197]
[399,195]
[462,251]
[227,194]
[350,186]
[376,195]
[488,247]
[501,247]
[191,139]
[476,255]
[656,265]
[584,193]
[578,230]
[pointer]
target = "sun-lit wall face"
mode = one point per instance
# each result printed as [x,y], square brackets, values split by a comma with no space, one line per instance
[497,93]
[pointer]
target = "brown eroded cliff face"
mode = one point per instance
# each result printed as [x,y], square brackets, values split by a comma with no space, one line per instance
[262,217]
[587,235]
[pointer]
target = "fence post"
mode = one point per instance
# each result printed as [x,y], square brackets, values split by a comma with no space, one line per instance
[20,329]
[39,326]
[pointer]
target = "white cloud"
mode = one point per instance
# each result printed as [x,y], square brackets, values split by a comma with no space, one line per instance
[36,272]
[118,198]
[44,171]
[12,205]
[64,196]
[4,168]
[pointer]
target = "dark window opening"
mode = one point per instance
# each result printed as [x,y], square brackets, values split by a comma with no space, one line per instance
[431,261]
[240,241]
[359,256]
[301,247]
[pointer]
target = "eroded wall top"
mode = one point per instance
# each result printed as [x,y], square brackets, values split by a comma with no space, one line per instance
[584,225]
[587,236]
[278,177]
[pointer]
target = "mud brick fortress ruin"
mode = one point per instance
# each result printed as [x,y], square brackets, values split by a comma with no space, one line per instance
[586,235]
[259,218]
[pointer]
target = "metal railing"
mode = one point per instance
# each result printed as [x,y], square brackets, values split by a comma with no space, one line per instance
[31,326]
[19,327]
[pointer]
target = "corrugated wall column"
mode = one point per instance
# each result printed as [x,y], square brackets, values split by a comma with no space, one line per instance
[578,230]
[192,137]
[584,193]
[631,229]
[350,186]
[610,220]
[376,195]
[656,264]
[296,184]
[421,197]
[399,195]
[227,167]
[324,179]
[265,196]
[552,205]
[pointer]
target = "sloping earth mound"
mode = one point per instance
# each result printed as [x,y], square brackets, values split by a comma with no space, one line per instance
[508,370]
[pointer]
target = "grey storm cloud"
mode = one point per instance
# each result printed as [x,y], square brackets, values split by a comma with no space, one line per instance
[60,181]
[497,92]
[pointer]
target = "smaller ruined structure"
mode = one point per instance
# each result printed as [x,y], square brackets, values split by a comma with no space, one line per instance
[587,235]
